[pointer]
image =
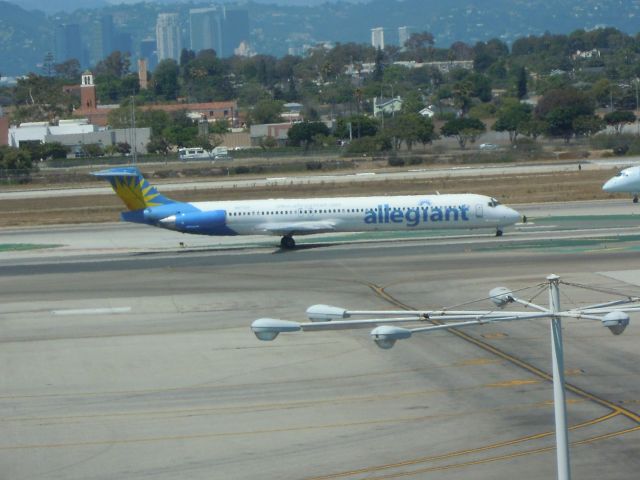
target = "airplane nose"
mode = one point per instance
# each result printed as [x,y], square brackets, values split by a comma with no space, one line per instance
[609,185]
[514,216]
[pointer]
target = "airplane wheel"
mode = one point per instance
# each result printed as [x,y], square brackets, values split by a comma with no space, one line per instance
[287,242]
[498,233]
[635,199]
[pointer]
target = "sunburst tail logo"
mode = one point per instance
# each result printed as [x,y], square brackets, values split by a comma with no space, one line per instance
[132,188]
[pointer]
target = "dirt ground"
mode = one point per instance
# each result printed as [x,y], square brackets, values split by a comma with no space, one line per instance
[509,189]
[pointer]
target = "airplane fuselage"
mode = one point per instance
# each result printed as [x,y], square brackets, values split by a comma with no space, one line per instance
[626,181]
[349,214]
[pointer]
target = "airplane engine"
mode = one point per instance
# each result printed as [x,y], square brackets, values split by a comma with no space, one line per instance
[199,221]
[157,213]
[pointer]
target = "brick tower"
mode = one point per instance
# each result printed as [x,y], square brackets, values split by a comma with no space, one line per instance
[87,92]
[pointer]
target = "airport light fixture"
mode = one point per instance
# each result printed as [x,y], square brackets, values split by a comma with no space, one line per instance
[613,315]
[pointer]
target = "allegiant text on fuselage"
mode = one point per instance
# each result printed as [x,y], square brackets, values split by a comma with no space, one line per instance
[416,215]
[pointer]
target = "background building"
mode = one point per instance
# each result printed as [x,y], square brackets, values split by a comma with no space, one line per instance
[148,51]
[168,39]
[377,37]
[235,30]
[205,29]
[68,44]
[106,36]
[403,35]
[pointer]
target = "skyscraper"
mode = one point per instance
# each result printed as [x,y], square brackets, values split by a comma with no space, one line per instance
[106,35]
[148,50]
[235,30]
[377,37]
[68,43]
[168,36]
[205,29]
[403,35]
[220,29]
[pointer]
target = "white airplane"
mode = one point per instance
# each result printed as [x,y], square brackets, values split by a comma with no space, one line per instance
[289,217]
[627,181]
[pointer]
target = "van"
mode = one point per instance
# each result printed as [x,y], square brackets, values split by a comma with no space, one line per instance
[191,153]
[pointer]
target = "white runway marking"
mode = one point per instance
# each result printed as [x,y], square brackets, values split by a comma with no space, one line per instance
[91,311]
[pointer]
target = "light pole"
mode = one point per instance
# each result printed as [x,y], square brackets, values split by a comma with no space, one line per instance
[388,331]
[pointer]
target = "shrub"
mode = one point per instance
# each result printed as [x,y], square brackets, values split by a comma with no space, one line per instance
[395,162]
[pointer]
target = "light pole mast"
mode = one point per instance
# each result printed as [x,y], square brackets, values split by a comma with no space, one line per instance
[559,403]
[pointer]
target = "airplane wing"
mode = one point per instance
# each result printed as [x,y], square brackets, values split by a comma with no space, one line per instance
[297,228]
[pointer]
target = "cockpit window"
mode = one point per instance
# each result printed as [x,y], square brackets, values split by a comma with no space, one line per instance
[493,202]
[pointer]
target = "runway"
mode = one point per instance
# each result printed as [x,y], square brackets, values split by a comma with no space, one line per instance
[126,355]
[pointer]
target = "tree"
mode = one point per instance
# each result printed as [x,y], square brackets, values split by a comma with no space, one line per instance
[411,128]
[618,119]
[587,125]
[15,163]
[521,83]
[68,70]
[158,145]
[463,129]
[93,150]
[117,64]
[560,107]
[368,126]
[123,148]
[267,111]
[165,79]
[268,142]
[48,64]
[512,115]
[305,133]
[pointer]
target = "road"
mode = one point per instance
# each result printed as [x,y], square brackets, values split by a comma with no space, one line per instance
[411,174]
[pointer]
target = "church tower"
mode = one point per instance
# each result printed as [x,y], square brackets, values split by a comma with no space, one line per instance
[87,92]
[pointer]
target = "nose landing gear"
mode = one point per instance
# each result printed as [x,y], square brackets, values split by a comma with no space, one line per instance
[287,243]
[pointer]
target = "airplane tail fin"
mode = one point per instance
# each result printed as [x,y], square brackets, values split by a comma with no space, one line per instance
[132,188]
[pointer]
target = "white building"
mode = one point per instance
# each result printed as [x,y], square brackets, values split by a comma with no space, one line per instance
[388,106]
[168,39]
[377,38]
[403,35]
[75,133]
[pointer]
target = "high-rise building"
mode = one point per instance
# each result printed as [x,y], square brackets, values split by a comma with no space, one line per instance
[68,43]
[148,51]
[168,38]
[220,29]
[106,35]
[235,30]
[205,29]
[377,37]
[122,42]
[403,35]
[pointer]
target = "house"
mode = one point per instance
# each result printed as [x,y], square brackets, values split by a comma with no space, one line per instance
[98,114]
[278,131]
[428,112]
[386,106]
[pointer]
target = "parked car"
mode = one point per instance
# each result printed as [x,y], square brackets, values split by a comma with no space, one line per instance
[489,146]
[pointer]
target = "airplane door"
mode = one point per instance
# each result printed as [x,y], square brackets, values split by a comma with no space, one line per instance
[479,211]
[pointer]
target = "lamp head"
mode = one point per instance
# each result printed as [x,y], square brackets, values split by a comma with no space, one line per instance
[385,336]
[267,329]
[501,296]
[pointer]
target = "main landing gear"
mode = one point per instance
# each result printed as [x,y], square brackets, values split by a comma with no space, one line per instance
[287,242]
[499,232]
[635,199]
